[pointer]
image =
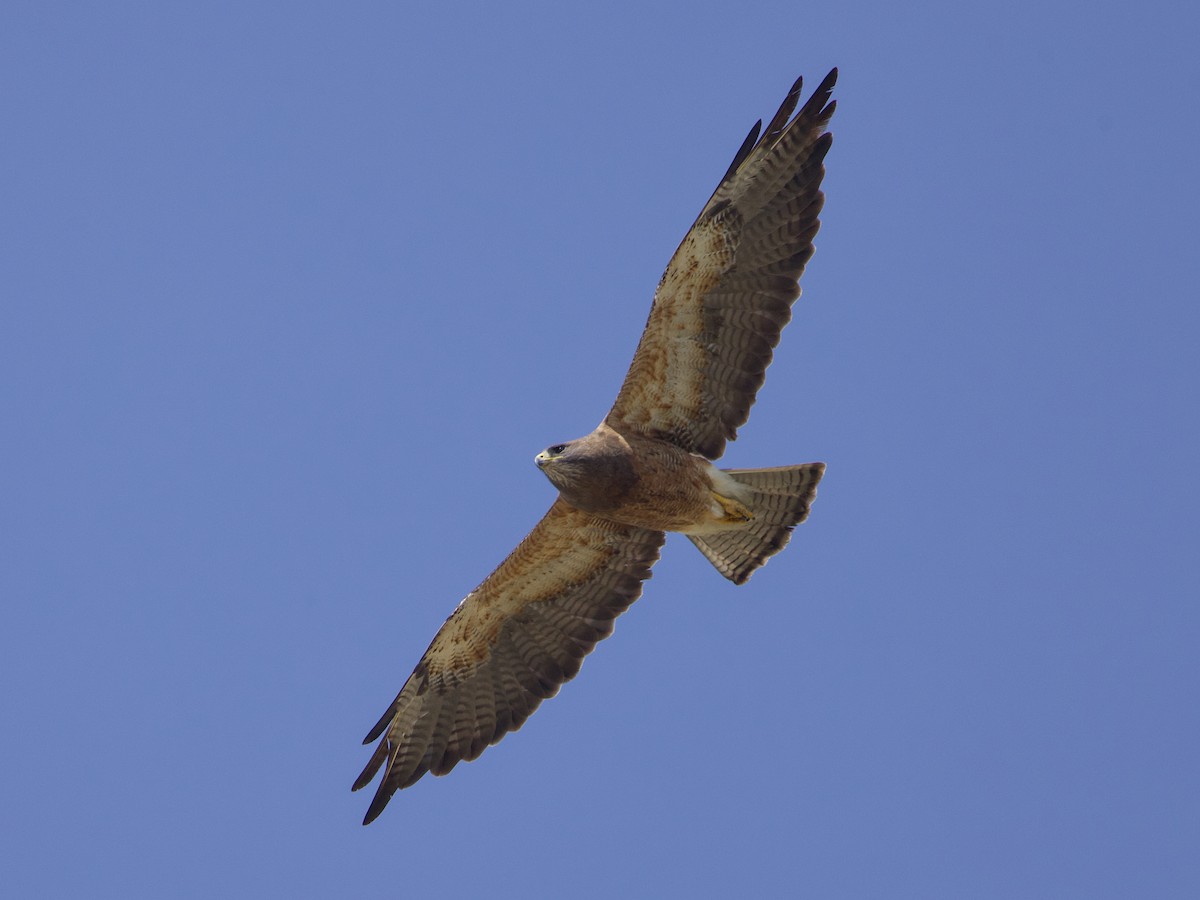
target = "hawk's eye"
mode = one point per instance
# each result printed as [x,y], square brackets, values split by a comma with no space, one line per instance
[557,449]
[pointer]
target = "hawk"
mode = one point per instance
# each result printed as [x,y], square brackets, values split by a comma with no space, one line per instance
[647,468]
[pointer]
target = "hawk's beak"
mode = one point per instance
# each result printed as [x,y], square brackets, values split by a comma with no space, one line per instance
[541,459]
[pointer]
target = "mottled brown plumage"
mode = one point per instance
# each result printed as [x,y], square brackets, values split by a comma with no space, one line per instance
[715,321]
[729,288]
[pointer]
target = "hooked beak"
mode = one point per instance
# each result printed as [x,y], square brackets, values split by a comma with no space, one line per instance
[542,459]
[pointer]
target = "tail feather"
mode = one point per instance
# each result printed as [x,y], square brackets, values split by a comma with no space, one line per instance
[779,499]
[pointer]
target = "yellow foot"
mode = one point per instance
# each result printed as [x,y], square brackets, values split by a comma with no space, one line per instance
[734,510]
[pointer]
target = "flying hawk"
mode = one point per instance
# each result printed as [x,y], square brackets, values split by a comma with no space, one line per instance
[645,470]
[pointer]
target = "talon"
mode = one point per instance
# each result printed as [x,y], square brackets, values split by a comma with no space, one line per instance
[734,510]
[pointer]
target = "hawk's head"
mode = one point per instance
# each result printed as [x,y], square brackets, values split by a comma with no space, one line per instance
[564,464]
[591,473]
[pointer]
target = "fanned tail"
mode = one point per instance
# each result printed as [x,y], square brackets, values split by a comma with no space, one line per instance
[780,499]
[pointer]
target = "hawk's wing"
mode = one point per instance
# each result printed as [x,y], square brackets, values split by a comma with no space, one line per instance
[729,288]
[510,644]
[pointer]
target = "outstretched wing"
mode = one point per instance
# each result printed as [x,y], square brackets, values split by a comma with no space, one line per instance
[729,288]
[510,645]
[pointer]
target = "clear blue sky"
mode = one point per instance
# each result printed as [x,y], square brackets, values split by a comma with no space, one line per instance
[292,293]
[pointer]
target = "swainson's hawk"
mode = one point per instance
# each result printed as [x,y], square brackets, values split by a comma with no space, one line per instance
[645,470]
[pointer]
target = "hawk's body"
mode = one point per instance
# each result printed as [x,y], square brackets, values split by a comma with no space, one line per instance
[638,480]
[645,470]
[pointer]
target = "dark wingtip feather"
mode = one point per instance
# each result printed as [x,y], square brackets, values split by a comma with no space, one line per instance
[818,104]
[373,766]
[818,107]
[376,806]
[387,788]
[738,158]
[780,120]
[383,723]
[821,147]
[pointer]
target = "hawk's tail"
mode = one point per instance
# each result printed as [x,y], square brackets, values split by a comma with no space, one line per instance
[779,499]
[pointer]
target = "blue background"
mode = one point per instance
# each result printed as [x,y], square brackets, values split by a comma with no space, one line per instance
[292,293]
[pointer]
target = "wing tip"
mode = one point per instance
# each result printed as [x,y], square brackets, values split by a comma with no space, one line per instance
[376,807]
[821,105]
[745,150]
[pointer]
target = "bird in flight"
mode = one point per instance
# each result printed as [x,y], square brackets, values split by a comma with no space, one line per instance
[647,468]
